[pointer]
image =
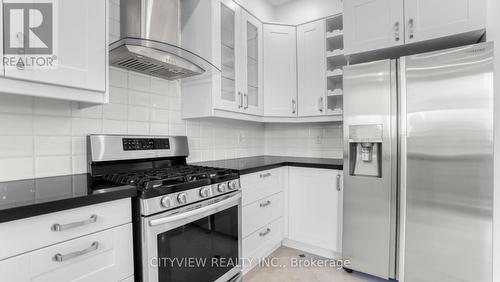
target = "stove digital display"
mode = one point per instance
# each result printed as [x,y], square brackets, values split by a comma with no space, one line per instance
[142,144]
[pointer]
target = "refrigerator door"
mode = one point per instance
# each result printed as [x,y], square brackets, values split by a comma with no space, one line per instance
[369,208]
[447,165]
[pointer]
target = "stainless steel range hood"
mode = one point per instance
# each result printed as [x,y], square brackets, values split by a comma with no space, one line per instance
[149,42]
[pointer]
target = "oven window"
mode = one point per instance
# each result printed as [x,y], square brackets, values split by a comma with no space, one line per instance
[202,250]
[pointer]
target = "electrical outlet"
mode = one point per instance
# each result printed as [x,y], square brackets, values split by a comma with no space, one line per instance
[319,139]
[241,137]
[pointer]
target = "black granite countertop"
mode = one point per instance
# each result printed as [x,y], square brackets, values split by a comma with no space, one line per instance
[260,163]
[32,197]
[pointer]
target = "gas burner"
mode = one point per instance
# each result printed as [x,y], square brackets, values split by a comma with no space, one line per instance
[157,181]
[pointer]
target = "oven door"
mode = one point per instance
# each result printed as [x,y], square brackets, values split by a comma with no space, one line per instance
[199,242]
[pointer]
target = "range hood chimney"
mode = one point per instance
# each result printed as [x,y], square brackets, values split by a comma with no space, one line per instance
[149,42]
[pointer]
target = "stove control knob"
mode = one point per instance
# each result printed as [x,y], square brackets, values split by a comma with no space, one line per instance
[182,198]
[233,185]
[205,192]
[222,187]
[166,202]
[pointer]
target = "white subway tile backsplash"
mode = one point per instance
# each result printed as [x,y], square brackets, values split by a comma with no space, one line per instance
[45,125]
[193,129]
[174,103]
[79,145]
[115,111]
[138,113]
[79,164]
[114,127]
[159,101]
[304,140]
[84,111]
[137,127]
[138,82]
[118,78]
[177,129]
[16,146]
[52,166]
[52,145]
[118,95]
[16,168]
[16,124]
[160,86]
[159,115]
[159,128]
[175,117]
[52,107]
[84,126]
[138,98]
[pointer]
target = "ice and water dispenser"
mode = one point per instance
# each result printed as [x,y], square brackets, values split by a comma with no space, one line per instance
[365,150]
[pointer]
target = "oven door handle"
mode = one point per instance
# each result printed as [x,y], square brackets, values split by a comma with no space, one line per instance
[168,219]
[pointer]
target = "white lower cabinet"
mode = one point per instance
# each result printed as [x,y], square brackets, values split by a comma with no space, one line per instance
[262,243]
[294,206]
[315,210]
[102,256]
[263,211]
[92,243]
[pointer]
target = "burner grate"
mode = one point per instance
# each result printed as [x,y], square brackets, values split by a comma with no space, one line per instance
[160,177]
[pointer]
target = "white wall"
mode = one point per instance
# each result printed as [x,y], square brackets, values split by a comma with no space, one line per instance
[493,32]
[259,8]
[300,11]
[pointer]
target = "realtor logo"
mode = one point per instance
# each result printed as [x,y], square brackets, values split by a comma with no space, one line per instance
[29,34]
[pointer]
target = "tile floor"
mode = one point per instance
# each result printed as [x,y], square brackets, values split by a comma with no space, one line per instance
[287,273]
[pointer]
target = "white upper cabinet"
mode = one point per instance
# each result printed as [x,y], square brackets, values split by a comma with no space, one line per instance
[252,65]
[79,42]
[280,70]
[230,97]
[229,37]
[378,24]
[372,24]
[429,19]
[311,52]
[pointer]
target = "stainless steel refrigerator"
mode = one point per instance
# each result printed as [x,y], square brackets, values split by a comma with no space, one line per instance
[418,166]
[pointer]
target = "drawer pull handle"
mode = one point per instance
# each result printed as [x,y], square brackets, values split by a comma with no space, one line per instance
[264,233]
[265,204]
[61,227]
[62,258]
[264,175]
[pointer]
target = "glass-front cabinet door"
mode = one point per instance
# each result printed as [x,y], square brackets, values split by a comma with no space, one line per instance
[252,65]
[229,98]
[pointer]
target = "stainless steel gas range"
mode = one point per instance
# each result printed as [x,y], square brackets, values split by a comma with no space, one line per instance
[187,219]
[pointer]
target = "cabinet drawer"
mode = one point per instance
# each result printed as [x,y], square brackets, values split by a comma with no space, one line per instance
[261,242]
[37,232]
[102,256]
[261,212]
[261,184]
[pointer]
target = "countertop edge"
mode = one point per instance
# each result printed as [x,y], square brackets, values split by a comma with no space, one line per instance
[17,213]
[290,163]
